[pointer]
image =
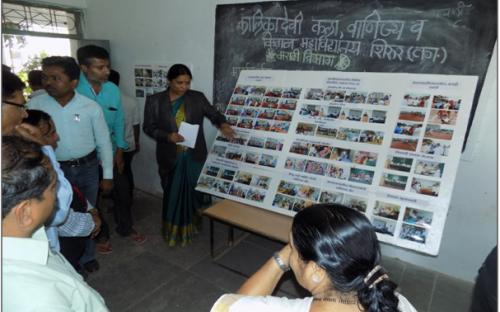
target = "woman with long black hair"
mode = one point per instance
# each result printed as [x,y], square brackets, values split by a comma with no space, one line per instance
[334,254]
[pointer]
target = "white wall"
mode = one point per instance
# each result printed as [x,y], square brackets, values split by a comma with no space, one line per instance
[183,31]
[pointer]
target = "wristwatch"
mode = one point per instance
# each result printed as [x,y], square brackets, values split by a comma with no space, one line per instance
[280,263]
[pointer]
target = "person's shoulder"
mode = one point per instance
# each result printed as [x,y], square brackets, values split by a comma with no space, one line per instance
[157,96]
[40,100]
[42,97]
[196,97]
[194,92]
[82,99]
[86,102]
[404,305]
[111,87]
[36,277]
[237,303]
[53,286]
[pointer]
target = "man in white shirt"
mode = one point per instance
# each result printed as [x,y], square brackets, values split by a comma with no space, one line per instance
[35,82]
[132,129]
[33,276]
[84,136]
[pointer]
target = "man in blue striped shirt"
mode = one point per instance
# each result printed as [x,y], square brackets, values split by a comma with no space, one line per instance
[83,219]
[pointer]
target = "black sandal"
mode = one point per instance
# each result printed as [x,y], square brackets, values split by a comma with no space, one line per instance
[91,266]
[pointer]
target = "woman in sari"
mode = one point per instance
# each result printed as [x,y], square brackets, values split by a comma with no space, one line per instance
[179,167]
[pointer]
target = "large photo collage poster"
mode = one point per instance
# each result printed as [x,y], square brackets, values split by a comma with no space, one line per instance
[385,144]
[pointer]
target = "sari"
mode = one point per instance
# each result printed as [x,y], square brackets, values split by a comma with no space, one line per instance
[180,207]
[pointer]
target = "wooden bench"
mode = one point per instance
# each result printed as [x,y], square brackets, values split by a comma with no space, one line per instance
[247,218]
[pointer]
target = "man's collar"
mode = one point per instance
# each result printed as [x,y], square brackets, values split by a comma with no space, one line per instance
[87,83]
[75,94]
[83,79]
[37,92]
[34,249]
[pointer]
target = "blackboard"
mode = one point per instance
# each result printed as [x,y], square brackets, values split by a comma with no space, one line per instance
[413,36]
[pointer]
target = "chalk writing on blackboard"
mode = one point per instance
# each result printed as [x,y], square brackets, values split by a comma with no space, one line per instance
[460,10]
[304,50]
[453,37]
[339,62]
[257,23]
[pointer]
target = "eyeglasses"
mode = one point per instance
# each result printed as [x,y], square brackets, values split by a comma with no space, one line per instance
[22,106]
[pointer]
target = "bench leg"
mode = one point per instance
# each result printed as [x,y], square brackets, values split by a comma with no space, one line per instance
[230,236]
[211,238]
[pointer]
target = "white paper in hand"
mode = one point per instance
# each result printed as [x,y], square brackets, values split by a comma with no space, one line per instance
[189,132]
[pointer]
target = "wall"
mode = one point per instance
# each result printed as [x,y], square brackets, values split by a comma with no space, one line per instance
[183,31]
[162,32]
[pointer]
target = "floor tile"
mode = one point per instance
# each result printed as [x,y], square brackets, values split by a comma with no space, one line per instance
[225,279]
[246,257]
[124,283]
[417,285]
[187,256]
[394,268]
[451,295]
[124,249]
[186,292]
[264,242]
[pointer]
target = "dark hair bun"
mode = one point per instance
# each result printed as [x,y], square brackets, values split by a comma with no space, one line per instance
[343,242]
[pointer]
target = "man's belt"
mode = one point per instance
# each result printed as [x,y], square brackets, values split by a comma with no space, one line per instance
[80,161]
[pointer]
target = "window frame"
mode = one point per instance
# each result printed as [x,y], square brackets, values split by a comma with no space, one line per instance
[78,15]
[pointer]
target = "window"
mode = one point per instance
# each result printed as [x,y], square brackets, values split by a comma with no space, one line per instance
[27,19]
[31,32]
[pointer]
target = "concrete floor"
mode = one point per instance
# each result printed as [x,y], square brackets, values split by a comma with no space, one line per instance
[154,277]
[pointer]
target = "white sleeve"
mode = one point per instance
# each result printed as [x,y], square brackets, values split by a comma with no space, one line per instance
[137,114]
[64,189]
[103,142]
[237,303]
[78,224]
[404,305]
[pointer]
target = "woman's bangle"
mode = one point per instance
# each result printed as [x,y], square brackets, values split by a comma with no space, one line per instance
[280,263]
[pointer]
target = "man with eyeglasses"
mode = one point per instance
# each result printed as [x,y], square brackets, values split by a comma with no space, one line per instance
[13,109]
[13,113]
